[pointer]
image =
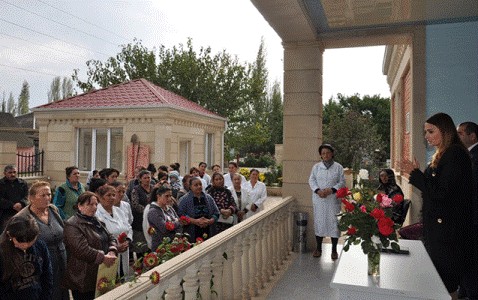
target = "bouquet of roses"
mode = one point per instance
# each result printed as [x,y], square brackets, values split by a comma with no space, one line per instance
[368,222]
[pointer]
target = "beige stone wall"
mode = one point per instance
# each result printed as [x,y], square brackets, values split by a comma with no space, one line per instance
[161,129]
[8,154]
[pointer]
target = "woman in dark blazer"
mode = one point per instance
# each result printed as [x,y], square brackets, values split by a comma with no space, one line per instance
[446,186]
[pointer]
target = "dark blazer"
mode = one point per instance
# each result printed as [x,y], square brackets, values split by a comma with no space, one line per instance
[474,160]
[447,192]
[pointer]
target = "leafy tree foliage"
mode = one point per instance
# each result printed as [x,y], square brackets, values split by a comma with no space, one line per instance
[24,99]
[218,82]
[359,128]
[11,105]
[4,103]
[60,89]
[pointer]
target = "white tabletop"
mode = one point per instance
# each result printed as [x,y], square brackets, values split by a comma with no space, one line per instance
[401,276]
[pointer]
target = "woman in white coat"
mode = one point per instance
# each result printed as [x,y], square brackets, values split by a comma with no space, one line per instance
[117,224]
[239,193]
[325,179]
[256,193]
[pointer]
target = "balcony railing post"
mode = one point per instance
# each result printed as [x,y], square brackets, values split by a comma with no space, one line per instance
[246,294]
[217,271]
[227,279]
[205,276]
[237,270]
[252,262]
[174,290]
[191,284]
[259,256]
[265,252]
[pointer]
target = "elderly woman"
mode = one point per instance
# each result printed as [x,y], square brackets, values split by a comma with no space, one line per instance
[88,244]
[25,267]
[117,224]
[224,201]
[140,197]
[389,187]
[119,202]
[239,193]
[201,210]
[447,191]
[67,193]
[325,179]
[51,231]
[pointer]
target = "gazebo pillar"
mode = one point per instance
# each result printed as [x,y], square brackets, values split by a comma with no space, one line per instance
[302,122]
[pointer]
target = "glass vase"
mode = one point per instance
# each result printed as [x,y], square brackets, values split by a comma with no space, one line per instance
[374,262]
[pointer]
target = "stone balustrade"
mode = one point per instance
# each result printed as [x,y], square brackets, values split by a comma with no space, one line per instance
[240,263]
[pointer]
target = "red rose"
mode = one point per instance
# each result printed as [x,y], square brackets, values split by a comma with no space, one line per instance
[122,237]
[385,226]
[397,198]
[342,192]
[154,277]
[379,197]
[348,206]
[199,240]
[170,226]
[185,220]
[377,213]
[150,260]
[351,230]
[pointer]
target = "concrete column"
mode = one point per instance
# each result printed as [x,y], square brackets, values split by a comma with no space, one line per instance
[8,153]
[302,121]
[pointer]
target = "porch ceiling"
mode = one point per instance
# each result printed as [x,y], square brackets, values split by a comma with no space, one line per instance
[329,20]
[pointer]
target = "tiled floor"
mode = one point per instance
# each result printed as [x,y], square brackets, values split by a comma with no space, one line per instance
[308,278]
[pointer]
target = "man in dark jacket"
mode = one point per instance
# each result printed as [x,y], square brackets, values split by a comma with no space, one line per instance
[468,133]
[13,194]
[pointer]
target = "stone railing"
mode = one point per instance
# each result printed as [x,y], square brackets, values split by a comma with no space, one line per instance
[257,250]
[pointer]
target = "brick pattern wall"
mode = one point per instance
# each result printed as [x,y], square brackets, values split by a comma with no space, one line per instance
[406,109]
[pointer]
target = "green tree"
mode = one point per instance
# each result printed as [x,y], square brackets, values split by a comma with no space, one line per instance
[276,116]
[133,62]
[11,106]
[54,94]
[356,139]
[4,103]
[375,108]
[67,88]
[24,99]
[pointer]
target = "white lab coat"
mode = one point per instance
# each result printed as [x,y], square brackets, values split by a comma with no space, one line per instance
[117,224]
[326,209]
[255,195]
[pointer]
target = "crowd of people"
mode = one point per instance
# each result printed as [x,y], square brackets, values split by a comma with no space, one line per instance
[55,243]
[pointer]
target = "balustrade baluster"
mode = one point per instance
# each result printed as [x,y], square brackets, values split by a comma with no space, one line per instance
[205,276]
[252,262]
[237,270]
[259,256]
[227,279]
[191,284]
[246,294]
[217,271]
[174,290]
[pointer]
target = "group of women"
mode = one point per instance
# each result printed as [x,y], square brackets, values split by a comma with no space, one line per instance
[48,249]
[447,187]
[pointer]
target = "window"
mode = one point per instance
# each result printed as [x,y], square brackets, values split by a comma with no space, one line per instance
[209,149]
[99,148]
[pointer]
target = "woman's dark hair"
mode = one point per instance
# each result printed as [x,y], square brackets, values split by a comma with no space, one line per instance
[233,163]
[94,172]
[102,190]
[116,184]
[214,177]
[163,176]
[254,170]
[450,136]
[212,167]
[107,172]
[23,228]
[163,168]
[193,169]
[151,168]
[390,176]
[327,146]
[160,190]
[186,178]
[69,170]
[191,179]
[95,183]
[84,198]
[142,173]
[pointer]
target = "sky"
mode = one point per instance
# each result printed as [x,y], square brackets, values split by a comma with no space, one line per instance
[41,39]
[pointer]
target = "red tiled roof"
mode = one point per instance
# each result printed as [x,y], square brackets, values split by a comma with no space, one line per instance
[135,93]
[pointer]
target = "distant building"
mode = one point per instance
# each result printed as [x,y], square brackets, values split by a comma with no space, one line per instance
[126,125]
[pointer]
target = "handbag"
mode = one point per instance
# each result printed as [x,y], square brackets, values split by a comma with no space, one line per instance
[412,231]
[229,220]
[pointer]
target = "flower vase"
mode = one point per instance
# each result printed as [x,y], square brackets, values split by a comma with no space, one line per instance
[374,262]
